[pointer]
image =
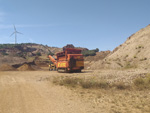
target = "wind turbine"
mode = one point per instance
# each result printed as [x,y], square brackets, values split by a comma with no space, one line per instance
[15,32]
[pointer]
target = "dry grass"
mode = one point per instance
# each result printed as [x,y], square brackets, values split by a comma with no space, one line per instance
[121,86]
[114,91]
[94,84]
[142,83]
[67,81]
[88,84]
[75,82]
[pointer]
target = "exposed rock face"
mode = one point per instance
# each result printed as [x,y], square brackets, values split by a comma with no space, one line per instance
[11,60]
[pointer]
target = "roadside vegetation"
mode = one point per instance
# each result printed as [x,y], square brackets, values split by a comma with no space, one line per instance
[138,83]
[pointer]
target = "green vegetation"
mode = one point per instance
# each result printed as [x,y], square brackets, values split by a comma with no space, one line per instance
[143,59]
[139,47]
[129,65]
[135,56]
[90,52]
[50,53]
[38,54]
[3,46]
[4,53]
[23,54]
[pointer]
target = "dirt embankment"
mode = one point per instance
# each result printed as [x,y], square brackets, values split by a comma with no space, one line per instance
[133,53]
[6,67]
[20,67]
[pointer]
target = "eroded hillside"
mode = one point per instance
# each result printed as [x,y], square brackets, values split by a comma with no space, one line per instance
[134,53]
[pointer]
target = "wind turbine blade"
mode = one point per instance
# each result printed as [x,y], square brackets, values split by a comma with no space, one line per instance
[19,32]
[14,28]
[12,34]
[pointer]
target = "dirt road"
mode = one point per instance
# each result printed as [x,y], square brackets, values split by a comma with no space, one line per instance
[34,92]
[31,92]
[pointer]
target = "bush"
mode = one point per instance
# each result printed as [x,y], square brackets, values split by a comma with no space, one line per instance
[50,53]
[23,54]
[72,82]
[96,50]
[120,86]
[4,53]
[142,83]
[38,54]
[94,84]
[88,53]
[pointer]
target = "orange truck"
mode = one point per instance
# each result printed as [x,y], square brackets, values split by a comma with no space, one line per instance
[70,60]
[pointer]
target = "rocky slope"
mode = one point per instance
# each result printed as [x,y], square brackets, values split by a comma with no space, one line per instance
[17,54]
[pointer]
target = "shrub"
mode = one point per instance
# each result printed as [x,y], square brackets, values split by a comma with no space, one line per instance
[143,59]
[72,82]
[89,53]
[50,53]
[139,46]
[94,84]
[96,50]
[21,54]
[38,54]
[128,65]
[142,83]
[4,53]
[120,86]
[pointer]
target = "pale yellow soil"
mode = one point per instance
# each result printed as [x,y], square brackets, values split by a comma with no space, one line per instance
[34,92]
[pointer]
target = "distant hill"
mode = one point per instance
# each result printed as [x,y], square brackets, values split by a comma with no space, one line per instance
[25,52]
[30,52]
[133,53]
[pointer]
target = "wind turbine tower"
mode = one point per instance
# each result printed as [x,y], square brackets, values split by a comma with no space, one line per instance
[15,33]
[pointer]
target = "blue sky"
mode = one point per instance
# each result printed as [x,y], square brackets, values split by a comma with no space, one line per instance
[103,24]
